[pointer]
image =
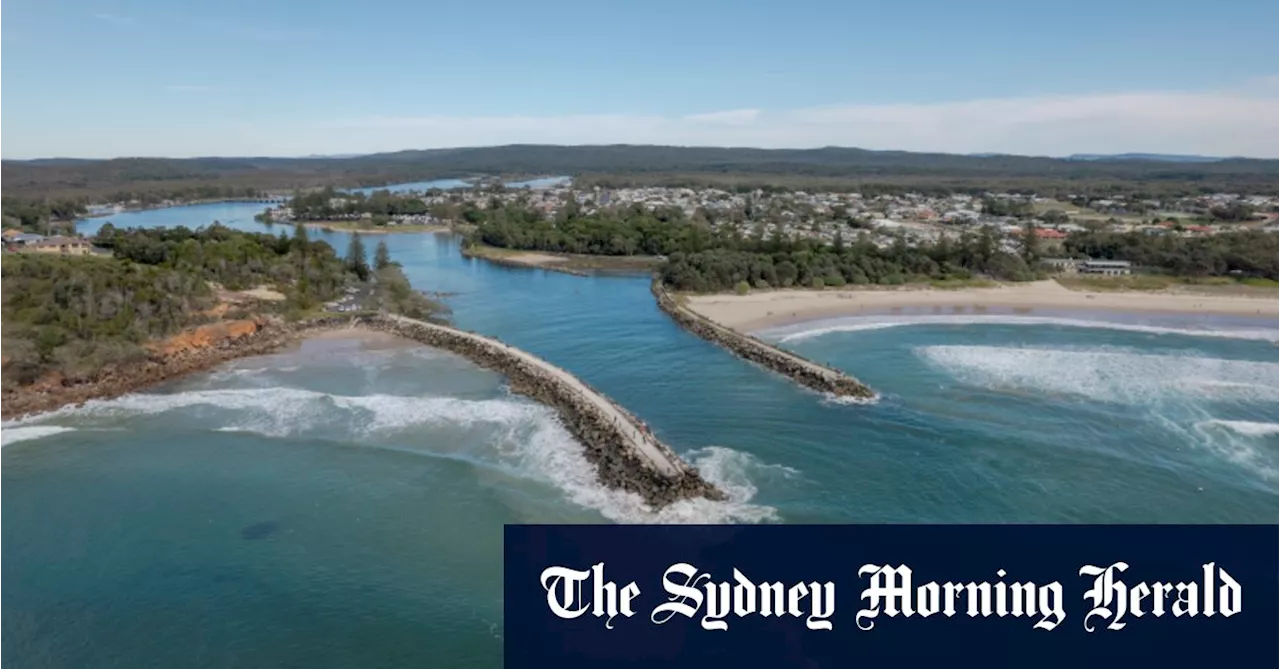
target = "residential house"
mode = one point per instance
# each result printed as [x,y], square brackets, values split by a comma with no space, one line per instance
[16,239]
[64,245]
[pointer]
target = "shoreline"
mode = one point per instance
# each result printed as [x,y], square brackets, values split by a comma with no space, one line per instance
[565,263]
[252,337]
[769,309]
[626,454]
[374,230]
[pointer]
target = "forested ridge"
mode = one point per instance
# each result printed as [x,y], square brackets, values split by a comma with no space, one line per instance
[830,168]
[79,315]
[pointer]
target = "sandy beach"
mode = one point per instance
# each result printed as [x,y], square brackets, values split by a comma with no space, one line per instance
[357,337]
[377,230]
[758,310]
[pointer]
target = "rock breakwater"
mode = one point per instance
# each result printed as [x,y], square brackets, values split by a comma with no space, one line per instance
[626,455]
[803,371]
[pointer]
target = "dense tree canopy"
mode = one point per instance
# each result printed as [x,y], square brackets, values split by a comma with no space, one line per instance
[1244,253]
[308,271]
[39,215]
[631,231]
[79,315]
[782,265]
[327,203]
[704,258]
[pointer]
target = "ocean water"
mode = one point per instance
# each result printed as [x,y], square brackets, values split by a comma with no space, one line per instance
[341,504]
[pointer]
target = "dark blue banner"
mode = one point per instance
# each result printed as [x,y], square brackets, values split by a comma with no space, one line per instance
[875,595]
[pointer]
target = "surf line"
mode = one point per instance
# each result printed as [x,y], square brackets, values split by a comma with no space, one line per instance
[799,369]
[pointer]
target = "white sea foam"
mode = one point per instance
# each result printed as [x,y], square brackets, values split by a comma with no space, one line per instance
[551,454]
[15,434]
[1248,444]
[1242,427]
[521,437]
[1113,375]
[847,400]
[860,324]
[241,372]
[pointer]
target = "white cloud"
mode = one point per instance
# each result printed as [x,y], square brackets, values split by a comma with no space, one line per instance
[1211,123]
[1241,121]
[114,19]
[735,117]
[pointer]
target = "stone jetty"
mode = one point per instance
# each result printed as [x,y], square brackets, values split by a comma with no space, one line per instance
[626,454]
[803,371]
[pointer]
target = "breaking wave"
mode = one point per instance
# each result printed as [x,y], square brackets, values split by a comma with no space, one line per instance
[1112,375]
[848,400]
[513,435]
[1242,427]
[881,322]
[1248,444]
[15,434]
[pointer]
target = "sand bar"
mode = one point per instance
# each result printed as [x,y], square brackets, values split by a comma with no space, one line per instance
[758,310]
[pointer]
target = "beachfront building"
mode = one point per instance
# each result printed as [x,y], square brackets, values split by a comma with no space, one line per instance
[1106,267]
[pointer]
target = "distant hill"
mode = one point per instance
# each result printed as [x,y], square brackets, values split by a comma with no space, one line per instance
[335,155]
[1159,157]
[828,167]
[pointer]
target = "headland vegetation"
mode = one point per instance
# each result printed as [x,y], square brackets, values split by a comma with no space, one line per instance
[75,326]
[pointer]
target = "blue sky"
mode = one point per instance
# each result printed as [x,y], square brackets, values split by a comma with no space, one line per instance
[102,78]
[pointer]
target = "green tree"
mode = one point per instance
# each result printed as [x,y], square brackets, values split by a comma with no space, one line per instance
[357,262]
[1030,243]
[381,256]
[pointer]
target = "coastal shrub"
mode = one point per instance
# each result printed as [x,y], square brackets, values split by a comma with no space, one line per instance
[761,284]
[816,283]
[742,288]
[78,315]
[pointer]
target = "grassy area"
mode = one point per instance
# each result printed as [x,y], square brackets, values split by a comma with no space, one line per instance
[1248,286]
[1064,207]
[958,284]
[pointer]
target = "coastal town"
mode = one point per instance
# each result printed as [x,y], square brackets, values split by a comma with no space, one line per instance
[824,216]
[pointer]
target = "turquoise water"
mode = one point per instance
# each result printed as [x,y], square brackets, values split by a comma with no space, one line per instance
[341,504]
